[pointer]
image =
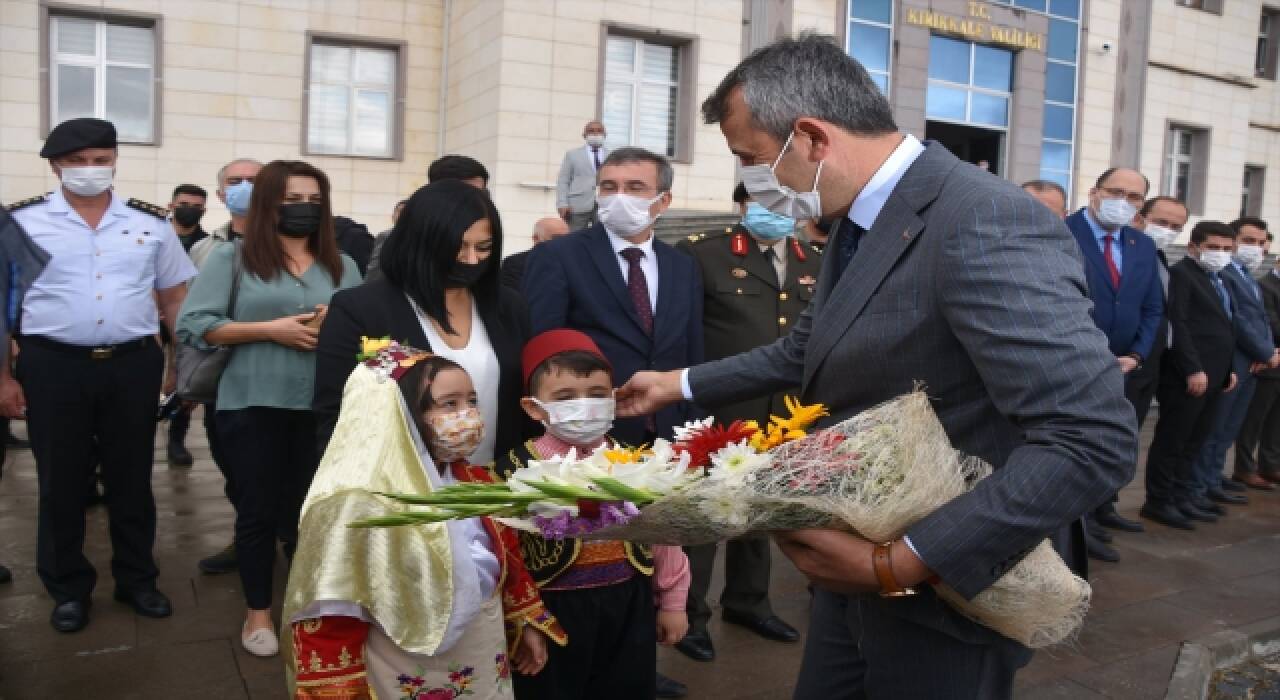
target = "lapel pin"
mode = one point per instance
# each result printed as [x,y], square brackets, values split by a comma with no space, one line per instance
[807,281]
[906,234]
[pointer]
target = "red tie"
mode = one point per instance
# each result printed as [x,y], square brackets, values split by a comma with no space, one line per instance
[1111,261]
[638,287]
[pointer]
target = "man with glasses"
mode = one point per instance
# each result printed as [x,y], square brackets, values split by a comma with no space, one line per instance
[1122,270]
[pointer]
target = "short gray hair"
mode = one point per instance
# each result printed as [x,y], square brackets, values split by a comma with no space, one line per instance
[223,169]
[635,154]
[808,76]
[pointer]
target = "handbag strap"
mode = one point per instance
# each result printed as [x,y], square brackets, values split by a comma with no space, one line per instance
[236,267]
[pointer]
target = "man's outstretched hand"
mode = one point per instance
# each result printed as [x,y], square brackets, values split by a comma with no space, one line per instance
[646,392]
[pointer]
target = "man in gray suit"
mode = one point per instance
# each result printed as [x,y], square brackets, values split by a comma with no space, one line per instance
[938,273]
[576,185]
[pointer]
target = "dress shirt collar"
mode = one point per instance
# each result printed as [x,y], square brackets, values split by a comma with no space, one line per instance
[58,204]
[619,244]
[871,199]
[776,246]
[1098,231]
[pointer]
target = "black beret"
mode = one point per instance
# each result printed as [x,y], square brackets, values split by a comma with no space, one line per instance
[75,134]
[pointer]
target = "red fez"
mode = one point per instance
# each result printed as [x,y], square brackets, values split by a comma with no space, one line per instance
[544,346]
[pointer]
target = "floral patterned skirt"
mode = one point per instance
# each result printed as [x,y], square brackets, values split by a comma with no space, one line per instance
[476,667]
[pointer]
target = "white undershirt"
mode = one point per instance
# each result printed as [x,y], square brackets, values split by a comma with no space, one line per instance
[481,362]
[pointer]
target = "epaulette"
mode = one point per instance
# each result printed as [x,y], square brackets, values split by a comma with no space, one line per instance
[28,202]
[156,211]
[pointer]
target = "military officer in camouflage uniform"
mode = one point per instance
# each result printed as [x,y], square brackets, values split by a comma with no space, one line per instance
[757,278]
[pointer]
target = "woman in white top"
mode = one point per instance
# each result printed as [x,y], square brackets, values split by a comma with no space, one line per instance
[440,291]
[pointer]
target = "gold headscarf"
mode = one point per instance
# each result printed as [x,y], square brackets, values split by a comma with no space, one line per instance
[401,576]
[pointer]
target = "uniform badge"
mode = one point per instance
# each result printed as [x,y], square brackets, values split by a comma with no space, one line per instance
[807,281]
[738,272]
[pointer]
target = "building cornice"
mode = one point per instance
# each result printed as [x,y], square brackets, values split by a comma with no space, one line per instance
[1235,80]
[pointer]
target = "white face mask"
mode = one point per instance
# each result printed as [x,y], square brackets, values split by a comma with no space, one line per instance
[1250,256]
[88,181]
[1114,213]
[764,187]
[1160,235]
[595,140]
[581,422]
[624,215]
[1214,260]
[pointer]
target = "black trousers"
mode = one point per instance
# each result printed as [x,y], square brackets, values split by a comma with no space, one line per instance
[1261,431]
[271,454]
[612,651]
[73,402]
[181,422]
[866,648]
[746,579]
[1184,424]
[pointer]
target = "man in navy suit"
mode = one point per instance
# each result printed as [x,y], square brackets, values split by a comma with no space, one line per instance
[1128,298]
[638,298]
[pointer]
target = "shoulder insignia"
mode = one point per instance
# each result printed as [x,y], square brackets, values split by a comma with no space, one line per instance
[152,209]
[28,202]
[694,238]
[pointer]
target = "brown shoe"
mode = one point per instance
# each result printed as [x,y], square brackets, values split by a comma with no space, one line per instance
[1254,481]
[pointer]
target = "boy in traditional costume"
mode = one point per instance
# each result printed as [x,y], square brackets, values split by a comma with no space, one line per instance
[603,593]
[407,612]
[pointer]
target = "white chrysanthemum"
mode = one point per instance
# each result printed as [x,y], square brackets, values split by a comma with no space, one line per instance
[693,426]
[736,461]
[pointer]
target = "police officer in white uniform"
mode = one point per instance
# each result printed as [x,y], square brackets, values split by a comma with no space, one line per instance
[90,369]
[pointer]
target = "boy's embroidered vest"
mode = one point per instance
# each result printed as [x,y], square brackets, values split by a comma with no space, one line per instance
[546,559]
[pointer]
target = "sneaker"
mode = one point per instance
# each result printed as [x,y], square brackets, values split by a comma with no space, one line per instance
[262,642]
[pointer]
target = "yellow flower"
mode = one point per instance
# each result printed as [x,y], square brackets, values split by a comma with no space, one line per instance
[625,455]
[372,346]
[801,416]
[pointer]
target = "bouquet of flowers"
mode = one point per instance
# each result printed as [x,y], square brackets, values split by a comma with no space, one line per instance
[875,474]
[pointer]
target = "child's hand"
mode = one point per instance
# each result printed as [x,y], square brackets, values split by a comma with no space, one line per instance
[672,626]
[531,652]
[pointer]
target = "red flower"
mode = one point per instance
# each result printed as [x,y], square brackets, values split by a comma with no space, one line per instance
[439,694]
[707,441]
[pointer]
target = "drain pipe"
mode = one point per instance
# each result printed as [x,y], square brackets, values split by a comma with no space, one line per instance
[442,114]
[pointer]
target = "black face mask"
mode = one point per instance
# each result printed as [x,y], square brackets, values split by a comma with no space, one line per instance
[299,219]
[188,216]
[466,274]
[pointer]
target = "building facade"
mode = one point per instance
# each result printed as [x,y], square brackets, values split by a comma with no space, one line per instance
[373,90]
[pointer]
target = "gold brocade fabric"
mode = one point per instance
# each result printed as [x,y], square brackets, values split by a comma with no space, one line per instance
[403,576]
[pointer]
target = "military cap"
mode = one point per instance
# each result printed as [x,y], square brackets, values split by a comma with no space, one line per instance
[75,134]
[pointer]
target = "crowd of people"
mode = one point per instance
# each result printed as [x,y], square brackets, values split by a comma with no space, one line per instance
[501,361]
[1199,336]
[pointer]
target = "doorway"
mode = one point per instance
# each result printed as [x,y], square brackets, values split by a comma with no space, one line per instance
[971,144]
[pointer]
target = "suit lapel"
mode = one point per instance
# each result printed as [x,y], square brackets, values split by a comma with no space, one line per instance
[1129,246]
[666,291]
[893,232]
[405,317]
[611,272]
[1091,249]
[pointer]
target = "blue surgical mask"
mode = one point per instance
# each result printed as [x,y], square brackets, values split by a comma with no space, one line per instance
[238,196]
[766,225]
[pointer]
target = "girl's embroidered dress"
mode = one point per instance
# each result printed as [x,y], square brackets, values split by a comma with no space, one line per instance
[406,612]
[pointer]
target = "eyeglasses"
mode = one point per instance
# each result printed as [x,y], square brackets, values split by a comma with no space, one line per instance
[1134,198]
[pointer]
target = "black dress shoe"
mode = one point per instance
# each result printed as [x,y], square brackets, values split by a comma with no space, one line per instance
[1099,550]
[670,688]
[5,575]
[1209,506]
[1189,510]
[697,646]
[1099,534]
[147,602]
[179,456]
[1233,485]
[223,562]
[1166,515]
[1233,499]
[70,616]
[771,627]
[1110,518]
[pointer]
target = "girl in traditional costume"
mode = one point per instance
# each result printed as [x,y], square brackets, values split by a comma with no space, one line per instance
[407,612]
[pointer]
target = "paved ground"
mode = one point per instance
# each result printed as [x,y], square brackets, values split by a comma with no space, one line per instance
[1170,586]
[1255,679]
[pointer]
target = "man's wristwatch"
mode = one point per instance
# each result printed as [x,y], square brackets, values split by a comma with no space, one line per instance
[882,563]
[1136,358]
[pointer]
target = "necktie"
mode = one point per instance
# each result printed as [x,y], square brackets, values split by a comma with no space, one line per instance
[847,245]
[1222,293]
[638,287]
[1111,261]
[779,265]
[595,155]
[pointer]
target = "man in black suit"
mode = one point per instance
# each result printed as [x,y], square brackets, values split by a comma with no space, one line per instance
[1195,373]
[543,231]
[638,298]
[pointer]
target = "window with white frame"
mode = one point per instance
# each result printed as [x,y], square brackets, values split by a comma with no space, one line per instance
[969,83]
[1251,190]
[1185,163]
[640,103]
[1178,170]
[352,105]
[104,69]
[870,38]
